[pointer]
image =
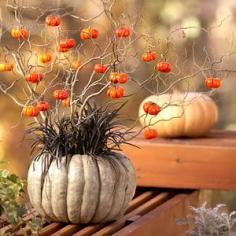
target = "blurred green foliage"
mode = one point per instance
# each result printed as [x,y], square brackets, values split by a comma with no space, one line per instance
[11,190]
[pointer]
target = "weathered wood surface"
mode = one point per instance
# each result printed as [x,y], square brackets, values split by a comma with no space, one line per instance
[203,163]
[152,210]
[162,220]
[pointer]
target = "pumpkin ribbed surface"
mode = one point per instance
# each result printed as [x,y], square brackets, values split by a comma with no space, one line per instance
[86,189]
[185,114]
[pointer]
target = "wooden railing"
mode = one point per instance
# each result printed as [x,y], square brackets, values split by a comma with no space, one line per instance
[203,163]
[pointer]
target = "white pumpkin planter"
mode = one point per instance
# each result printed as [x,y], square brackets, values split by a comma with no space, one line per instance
[183,114]
[85,190]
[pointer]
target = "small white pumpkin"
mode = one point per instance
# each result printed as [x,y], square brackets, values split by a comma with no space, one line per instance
[84,190]
[182,115]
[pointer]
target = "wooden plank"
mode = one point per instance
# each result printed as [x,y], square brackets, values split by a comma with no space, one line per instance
[162,220]
[136,202]
[144,208]
[90,230]
[206,163]
[50,229]
[139,200]
[67,230]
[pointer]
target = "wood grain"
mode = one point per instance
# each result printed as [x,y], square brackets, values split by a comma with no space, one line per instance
[141,210]
[162,220]
[136,202]
[203,163]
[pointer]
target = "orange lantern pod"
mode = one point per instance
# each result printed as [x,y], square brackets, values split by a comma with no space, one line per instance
[115,92]
[149,56]
[45,57]
[118,78]
[30,111]
[85,34]
[60,94]
[53,20]
[212,82]
[109,91]
[19,33]
[61,49]
[164,67]
[146,105]
[100,68]
[154,109]
[63,43]
[70,43]
[150,134]
[122,78]
[94,33]
[43,106]
[75,65]
[67,43]
[89,33]
[6,67]
[113,77]
[123,32]
[34,77]
[151,108]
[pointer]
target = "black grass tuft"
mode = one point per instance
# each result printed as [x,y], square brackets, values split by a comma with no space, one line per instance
[98,131]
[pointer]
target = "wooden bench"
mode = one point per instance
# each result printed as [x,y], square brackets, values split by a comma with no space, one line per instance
[206,163]
[151,211]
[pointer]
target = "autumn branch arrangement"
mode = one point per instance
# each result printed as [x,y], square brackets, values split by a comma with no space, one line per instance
[72,85]
[77,66]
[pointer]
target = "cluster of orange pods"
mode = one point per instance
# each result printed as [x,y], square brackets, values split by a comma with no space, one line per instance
[162,66]
[151,108]
[19,33]
[65,45]
[42,106]
[212,82]
[117,91]
[33,111]
[34,77]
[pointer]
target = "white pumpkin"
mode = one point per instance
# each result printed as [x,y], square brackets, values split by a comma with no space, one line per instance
[86,189]
[182,115]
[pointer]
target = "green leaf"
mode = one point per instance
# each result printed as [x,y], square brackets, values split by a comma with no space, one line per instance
[35,224]
[13,178]
[21,210]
